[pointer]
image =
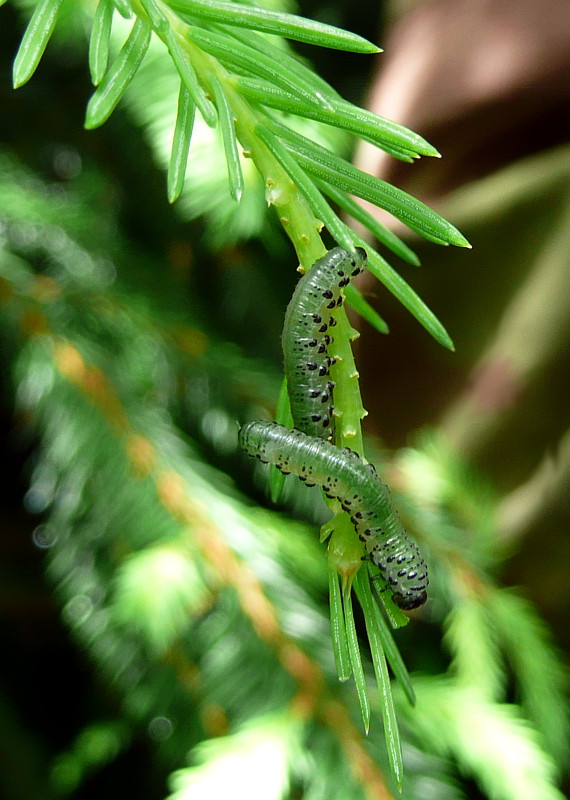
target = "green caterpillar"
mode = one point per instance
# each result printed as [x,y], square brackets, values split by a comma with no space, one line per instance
[306,339]
[344,476]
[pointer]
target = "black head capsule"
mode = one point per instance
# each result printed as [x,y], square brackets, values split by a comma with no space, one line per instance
[409,601]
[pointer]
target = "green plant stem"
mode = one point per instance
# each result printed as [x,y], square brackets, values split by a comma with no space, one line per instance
[294,213]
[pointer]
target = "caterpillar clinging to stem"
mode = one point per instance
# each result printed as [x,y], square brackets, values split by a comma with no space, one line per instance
[307,337]
[344,476]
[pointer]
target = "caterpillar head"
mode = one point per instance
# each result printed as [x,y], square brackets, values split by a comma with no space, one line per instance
[409,600]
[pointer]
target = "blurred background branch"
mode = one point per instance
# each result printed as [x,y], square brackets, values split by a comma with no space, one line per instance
[489,84]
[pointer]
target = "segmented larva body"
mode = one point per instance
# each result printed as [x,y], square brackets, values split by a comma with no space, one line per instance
[306,339]
[343,475]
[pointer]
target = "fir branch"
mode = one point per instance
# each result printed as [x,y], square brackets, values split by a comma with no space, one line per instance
[265,749]
[243,51]
[136,449]
[212,62]
[541,678]
[128,470]
[473,643]
[157,590]
[501,751]
[323,164]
